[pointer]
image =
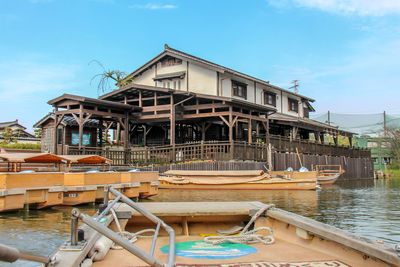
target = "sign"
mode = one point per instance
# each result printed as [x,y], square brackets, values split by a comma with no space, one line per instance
[203,250]
[85,139]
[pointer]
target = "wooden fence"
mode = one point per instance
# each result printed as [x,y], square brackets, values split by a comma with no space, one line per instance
[216,151]
[355,168]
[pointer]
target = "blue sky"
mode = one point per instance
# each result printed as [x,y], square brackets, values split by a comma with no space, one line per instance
[344,52]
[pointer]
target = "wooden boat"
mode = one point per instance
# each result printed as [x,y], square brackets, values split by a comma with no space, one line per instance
[328,174]
[185,234]
[235,180]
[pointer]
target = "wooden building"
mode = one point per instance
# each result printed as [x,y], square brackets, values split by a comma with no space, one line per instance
[20,133]
[182,107]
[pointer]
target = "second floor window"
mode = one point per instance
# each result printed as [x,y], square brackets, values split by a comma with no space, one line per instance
[269,98]
[293,105]
[239,89]
[170,61]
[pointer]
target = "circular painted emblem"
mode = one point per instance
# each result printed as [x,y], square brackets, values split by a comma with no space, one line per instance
[203,250]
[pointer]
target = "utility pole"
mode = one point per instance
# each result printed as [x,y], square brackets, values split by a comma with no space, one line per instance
[295,86]
[384,123]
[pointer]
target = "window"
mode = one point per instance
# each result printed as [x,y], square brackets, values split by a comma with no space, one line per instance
[372,144]
[239,89]
[59,136]
[170,61]
[269,98]
[293,105]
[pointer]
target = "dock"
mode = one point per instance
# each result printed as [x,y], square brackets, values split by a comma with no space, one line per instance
[44,189]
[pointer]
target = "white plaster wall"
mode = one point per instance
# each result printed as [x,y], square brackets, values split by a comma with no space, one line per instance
[226,86]
[172,69]
[260,95]
[146,78]
[250,92]
[202,80]
[286,105]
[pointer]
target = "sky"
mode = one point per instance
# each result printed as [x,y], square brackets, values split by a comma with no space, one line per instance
[344,52]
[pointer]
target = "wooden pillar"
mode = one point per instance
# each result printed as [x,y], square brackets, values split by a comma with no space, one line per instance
[231,152]
[267,132]
[55,133]
[236,129]
[203,131]
[250,132]
[257,130]
[140,99]
[126,131]
[350,141]
[101,132]
[80,125]
[144,135]
[172,128]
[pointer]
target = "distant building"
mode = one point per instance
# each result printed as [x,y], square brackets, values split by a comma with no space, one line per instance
[68,133]
[20,133]
[381,150]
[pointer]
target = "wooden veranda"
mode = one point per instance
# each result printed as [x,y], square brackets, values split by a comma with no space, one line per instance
[160,125]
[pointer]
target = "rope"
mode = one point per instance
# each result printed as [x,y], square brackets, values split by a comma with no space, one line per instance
[245,236]
[131,237]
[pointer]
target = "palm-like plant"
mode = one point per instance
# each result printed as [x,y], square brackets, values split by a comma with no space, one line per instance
[109,75]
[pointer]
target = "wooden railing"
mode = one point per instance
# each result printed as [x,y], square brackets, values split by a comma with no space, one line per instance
[219,151]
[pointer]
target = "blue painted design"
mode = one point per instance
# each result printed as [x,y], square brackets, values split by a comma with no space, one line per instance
[202,250]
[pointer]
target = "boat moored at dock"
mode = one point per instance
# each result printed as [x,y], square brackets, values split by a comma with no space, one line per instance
[236,180]
[211,234]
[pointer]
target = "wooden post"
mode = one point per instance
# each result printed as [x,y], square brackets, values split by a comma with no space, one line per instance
[267,133]
[126,131]
[172,128]
[55,134]
[203,131]
[80,125]
[140,99]
[250,132]
[231,154]
[101,132]
[257,130]
[144,135]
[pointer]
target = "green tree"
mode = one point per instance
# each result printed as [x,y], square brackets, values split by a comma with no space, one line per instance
[8,136]
[38,132]
[393,136]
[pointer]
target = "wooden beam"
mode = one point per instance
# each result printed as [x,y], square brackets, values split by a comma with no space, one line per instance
[184,100]
[224,120]
[140,99]
[121,123]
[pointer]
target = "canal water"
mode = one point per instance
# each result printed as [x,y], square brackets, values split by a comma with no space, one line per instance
[365,207]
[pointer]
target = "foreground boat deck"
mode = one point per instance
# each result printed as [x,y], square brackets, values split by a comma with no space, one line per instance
[299,241]
[293,245]
[281,252]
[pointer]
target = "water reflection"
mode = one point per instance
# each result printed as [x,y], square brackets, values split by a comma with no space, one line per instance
[366,207]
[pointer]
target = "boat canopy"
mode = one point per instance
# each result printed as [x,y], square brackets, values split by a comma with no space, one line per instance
[87,159]
[33,158]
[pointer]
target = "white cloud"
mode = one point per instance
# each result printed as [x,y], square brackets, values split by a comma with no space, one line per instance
[359,7]
[21,80]
[366,80]
[154,6]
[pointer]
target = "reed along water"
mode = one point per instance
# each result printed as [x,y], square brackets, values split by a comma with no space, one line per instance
[365,207]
